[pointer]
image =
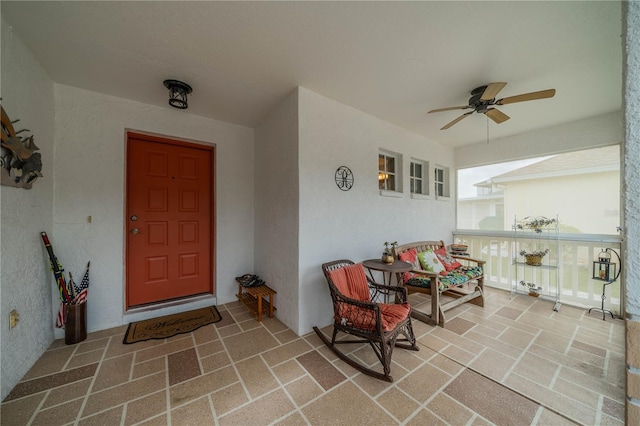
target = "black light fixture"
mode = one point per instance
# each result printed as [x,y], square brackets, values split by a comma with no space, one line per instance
[178,92]
[605,270]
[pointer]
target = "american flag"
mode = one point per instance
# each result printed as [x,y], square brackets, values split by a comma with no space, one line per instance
[83,289]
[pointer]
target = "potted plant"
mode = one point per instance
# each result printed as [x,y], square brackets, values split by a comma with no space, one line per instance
[534,290]
[534,258]
[387,254]
[535,223]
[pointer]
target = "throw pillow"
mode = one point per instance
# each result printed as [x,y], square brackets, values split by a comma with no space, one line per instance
[430,262]
[449,262]
[410,256]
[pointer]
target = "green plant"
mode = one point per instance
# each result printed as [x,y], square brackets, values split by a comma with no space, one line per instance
[530,286]
[540,253]
[534,223]
[393,246]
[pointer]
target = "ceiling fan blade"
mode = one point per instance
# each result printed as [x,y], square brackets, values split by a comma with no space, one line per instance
[497,115]
[527,97]
[449,108]
[492,90]
[456,120]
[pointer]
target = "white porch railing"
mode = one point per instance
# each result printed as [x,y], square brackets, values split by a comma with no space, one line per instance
[576,253]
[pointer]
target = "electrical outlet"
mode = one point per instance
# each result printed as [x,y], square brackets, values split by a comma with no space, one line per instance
[14,317]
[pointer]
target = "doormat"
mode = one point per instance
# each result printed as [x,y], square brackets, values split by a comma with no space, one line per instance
[170,325]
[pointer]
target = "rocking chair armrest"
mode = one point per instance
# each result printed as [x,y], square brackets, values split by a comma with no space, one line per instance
[390,288]
[360,303]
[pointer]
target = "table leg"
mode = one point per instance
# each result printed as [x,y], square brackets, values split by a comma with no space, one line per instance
[399,283]
[399,279]
[371,275]
[259,308]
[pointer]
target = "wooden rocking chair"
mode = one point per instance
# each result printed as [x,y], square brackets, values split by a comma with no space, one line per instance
[356,311]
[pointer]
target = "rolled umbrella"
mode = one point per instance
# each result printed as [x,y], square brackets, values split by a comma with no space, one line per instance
[58,270]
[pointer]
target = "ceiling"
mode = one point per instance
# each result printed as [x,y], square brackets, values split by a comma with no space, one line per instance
[393,60]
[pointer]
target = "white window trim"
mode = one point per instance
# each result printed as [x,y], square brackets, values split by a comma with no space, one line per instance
[424,195]
[420,197]
[398,192]
[393,194]
[446,181]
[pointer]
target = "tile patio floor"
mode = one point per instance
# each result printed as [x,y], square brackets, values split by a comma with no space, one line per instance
[513,362]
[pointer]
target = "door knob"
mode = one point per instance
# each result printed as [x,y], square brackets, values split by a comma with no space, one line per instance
[134,230]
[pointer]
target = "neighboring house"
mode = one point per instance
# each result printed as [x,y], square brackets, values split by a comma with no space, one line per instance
[582,188]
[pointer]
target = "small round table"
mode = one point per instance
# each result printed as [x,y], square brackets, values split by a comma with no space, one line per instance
[398,267]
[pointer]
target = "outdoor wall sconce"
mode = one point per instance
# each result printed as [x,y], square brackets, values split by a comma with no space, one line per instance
[178,92]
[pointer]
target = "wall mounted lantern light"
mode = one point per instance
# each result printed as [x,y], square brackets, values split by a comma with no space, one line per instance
[178,92]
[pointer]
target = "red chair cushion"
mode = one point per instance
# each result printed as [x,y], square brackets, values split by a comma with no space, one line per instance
[364,319]
[351,281]
[392,314]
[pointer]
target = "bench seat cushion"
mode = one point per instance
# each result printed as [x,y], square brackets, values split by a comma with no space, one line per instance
[453,278]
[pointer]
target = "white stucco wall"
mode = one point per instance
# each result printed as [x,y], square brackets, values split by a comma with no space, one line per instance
[603,130]
[25,279]
[354,224]
[90,181]
[631,165]
[276,212]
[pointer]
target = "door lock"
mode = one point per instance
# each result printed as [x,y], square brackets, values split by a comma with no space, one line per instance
[134,218]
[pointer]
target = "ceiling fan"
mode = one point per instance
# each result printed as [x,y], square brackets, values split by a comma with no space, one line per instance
[484,97]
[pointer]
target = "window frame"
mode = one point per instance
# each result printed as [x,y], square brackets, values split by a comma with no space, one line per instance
[444,182]
[384,173]
[423,179]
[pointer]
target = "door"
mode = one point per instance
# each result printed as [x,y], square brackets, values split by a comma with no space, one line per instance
[169,220]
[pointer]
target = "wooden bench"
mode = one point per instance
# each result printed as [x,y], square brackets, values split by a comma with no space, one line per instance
[460,292]
[252,298]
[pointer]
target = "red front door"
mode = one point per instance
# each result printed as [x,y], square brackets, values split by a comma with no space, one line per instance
[169,219]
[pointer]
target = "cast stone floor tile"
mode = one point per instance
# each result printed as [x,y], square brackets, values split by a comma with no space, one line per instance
[514,361]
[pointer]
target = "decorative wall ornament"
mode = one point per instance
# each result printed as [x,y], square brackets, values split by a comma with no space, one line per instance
[344,178]
[20,165]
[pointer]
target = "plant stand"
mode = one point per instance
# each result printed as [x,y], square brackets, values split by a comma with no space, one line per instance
[536,253]
[601,308]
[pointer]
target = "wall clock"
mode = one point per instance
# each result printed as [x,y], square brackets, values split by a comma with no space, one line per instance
[344,178]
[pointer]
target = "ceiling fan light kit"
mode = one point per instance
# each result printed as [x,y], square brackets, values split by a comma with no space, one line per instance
[483,99]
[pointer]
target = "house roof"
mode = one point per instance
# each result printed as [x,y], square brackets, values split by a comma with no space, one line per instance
[392,60]
[592,160]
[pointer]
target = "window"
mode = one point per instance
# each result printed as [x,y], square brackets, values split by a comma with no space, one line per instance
[441,182]
[418,177]
[581,188]
[389,171]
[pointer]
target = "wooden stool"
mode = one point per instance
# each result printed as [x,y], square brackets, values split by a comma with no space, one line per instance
[252,297]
